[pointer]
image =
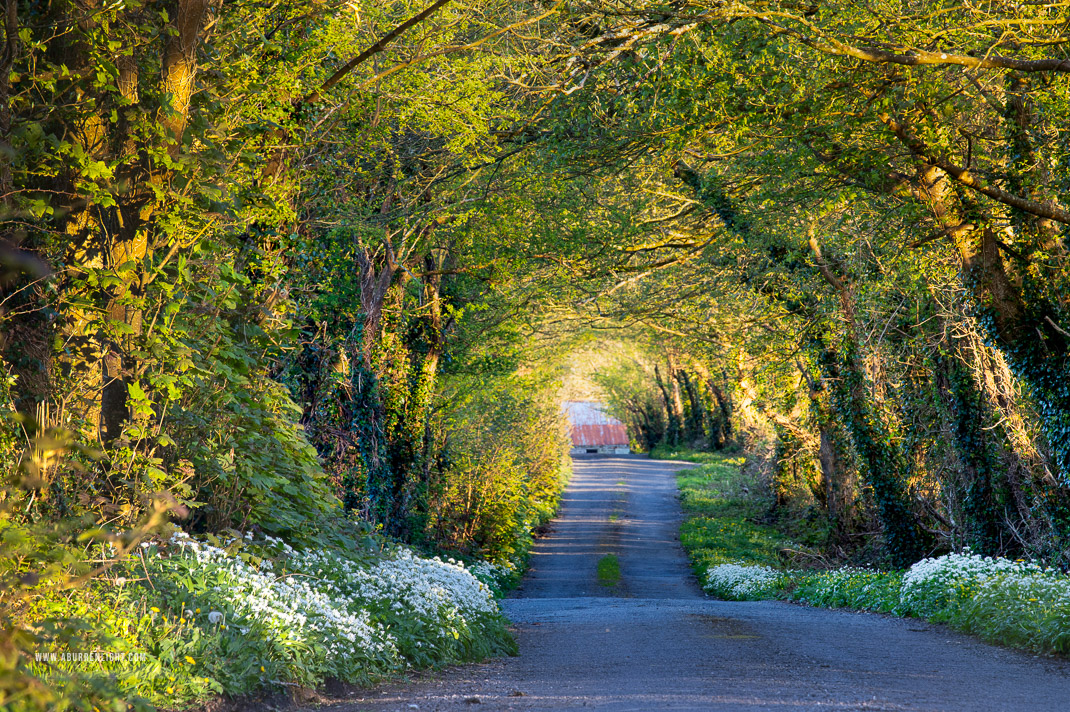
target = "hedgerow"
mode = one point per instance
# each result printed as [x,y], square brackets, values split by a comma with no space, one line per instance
[1018,603]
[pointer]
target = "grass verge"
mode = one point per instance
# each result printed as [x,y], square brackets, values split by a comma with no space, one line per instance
[719,526]
[1016,603]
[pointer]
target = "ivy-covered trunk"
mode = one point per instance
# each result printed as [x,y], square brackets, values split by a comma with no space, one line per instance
[976,451]
[674,429]
[884,468]
[838,474]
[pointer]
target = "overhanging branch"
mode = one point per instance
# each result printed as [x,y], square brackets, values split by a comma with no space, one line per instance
[968,179]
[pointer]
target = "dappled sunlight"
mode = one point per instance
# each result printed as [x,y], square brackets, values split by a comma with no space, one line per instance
[354,279]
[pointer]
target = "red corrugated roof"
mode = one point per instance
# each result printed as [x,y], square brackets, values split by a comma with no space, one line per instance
[599,435]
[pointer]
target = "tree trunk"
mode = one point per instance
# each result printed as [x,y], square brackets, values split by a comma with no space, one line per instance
[886,469]
[672,431]
[838,474]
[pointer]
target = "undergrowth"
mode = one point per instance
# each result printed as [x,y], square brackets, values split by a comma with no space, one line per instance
[739,557]
[721,524]
[185,621]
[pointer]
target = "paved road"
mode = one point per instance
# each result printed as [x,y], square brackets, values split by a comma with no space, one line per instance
[654,642]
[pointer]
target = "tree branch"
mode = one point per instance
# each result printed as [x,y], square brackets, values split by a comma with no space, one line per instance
[909,57]
[968,179]
[373,50]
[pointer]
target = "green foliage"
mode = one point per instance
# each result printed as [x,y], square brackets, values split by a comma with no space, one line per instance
[1010,603]
[177,625]
[1019,604]
[310,308]
[47,571]
[984,490]
[664,452]
[674,405]
[885,465]
[632,398]
[502,468]
[206,247]
[860,589]
[719,525]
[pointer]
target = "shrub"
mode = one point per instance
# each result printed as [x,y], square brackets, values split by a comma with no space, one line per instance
[502,470]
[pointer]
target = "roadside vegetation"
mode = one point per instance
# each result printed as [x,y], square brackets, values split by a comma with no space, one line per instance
[186,621]
[608,570]
[314,270]
[740,551]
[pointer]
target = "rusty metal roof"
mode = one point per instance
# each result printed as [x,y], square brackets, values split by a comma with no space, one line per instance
[599,435]
[592,427]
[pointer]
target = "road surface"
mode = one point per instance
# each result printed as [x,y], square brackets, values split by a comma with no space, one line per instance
[652,641]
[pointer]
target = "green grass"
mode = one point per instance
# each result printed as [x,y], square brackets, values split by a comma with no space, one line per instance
[1018,604]
[609,570]
[719,526]
[858,589]
[662,452]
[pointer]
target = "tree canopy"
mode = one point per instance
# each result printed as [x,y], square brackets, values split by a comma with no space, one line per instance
[317,268]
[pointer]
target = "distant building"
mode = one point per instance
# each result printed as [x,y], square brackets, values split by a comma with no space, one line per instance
[594,432]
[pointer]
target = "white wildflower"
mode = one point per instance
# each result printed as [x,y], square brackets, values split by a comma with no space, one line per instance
[742,581]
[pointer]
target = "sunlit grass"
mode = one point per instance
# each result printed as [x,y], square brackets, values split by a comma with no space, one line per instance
[718,528]
[663,452]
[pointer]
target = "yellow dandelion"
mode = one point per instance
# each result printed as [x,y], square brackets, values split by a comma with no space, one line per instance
[170,690]
[190,660]
[262,669]
[154,609]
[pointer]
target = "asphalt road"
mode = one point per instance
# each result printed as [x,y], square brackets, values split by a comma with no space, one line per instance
[653,641]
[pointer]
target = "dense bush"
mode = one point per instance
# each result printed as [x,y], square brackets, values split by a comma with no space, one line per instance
[504,463]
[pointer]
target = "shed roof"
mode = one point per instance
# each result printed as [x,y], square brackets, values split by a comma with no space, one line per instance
[592,427]
[599,435]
